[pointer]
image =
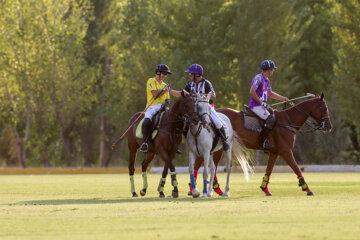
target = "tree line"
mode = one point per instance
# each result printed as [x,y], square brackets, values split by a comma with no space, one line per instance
[73,72]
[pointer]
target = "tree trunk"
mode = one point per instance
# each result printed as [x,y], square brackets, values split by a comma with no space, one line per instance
[68,145]
[103,110]
[19,150]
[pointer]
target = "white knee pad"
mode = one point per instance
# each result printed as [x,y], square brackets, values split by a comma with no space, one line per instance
[215,119]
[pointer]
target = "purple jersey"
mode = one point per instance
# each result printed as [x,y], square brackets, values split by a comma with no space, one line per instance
[262,85]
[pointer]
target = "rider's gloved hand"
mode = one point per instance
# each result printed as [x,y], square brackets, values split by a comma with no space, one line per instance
[265,105]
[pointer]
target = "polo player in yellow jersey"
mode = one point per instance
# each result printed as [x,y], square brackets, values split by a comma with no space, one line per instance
[157,92]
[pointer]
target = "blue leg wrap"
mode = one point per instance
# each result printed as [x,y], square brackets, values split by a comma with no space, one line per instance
[192,179]
[205,186]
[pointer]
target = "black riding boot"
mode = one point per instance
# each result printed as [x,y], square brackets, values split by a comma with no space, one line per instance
[265,143]
[145,129]
[223,137]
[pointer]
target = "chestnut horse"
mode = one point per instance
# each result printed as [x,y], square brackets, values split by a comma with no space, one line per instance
[282,137]
[165,144]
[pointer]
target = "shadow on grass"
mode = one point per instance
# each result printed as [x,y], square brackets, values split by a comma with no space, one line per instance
[121,200]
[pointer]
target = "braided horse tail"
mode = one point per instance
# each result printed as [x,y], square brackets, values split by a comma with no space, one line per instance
[239,151]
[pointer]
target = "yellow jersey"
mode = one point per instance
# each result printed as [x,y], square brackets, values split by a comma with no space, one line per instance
[153,84]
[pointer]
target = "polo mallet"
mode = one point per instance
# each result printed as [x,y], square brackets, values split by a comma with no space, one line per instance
[141,114]
[308,95]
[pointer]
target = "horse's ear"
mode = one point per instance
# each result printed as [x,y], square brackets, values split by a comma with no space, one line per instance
[322,96]
[182,93]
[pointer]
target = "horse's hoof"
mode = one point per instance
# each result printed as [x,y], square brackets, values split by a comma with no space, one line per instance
[189,193]
[204,195]
[268,194]
[195,194]
[134,194]
[209,194]
[143,192]
[225,194]
[161,195]
[310,193]
[175,194]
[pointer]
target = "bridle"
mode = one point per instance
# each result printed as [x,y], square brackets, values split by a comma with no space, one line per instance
[318,125]
[187,118]
[197,101]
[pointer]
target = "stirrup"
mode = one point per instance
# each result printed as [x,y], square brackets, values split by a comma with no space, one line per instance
[144,147]
[267,145]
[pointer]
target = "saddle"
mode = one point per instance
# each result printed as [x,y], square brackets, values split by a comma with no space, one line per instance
[156,120]
[252,121]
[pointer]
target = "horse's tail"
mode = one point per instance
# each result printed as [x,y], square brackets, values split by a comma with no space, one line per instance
[239,152]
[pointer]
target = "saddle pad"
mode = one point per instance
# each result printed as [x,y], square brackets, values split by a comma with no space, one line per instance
[138,129]
[252,124]
[155,131]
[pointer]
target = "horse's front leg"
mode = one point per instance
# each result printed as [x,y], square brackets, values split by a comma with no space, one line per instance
[197,165]
[212,171]
[270,166]
[194,192]
[289,158]
[165,156]
[148,158]
[205,173]
[160,188]
[174,182]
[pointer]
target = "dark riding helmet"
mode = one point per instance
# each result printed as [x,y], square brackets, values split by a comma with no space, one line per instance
[195,69]
[268,64]
[162,68]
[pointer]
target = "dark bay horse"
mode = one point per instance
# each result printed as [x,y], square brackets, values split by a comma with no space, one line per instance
[165,144]
[282,137]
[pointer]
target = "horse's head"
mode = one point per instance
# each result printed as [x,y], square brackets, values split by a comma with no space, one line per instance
[187,108]
[203,108]
[321,114]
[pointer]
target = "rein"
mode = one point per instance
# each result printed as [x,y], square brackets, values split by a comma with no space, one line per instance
[314,126]
[196,135]
[185,120]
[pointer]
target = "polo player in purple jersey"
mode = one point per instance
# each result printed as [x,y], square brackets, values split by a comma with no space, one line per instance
[259,92]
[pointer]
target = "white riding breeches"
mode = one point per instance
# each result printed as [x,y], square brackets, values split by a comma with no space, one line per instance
[215,118]
[261,112]
[152,110]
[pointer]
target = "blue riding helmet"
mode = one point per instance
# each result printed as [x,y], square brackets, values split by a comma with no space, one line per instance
[162,68]
[195,69]
[268,64]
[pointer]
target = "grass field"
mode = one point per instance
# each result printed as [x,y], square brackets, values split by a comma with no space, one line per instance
[99,206]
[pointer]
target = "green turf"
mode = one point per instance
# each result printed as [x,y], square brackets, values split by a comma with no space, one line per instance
[100,207]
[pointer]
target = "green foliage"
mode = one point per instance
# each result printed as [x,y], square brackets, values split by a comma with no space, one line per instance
[53,68]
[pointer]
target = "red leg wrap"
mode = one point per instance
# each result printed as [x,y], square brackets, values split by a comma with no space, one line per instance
[216,186]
